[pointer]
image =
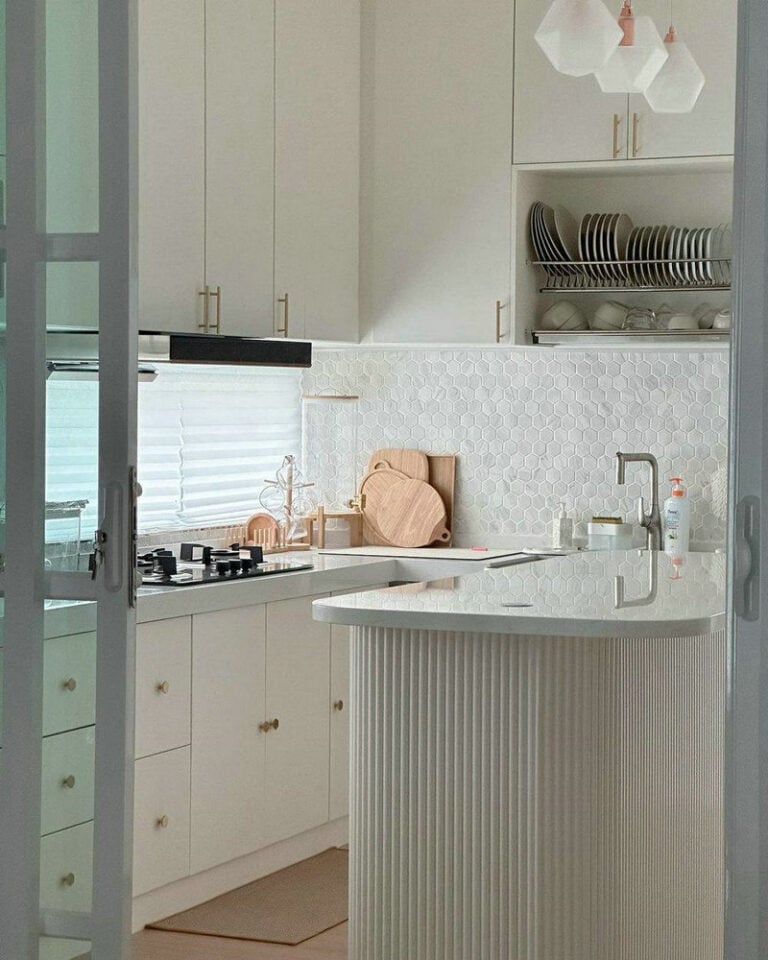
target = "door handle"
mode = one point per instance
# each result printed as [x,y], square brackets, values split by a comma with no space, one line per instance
[616,127]
[635,134]
[746,559]
[284,329]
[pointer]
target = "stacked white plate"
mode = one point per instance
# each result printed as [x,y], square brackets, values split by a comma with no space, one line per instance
[554,235]
[606,250]
[603,241]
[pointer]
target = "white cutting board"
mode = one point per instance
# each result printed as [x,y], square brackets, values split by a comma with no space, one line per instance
[421,553]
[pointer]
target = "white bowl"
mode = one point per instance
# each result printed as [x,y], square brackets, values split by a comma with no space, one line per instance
[563,315]
[609,316]
[682,321]
[722,320]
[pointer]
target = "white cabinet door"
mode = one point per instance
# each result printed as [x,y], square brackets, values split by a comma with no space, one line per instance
[161,820]
[163,685]
[317,156]
[66,869]
[239,72]
[708,27]
[171,163]
[228,749]
[69,677]
[67,779]
[435,162]
[298,654]
[560,118]
[338,803]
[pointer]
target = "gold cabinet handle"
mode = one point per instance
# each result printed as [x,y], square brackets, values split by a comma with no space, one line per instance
[284,329]
[616,128]
[217,294]
[206,295]
[268,725]
[635,134]
[162,822]
[338,705]
[70,684]
[499,308]
[68,782]
[68,880]
[163,687]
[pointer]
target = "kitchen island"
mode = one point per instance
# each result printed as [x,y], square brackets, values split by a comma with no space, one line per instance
[537,762]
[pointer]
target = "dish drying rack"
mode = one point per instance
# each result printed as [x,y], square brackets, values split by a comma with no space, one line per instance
[579,276]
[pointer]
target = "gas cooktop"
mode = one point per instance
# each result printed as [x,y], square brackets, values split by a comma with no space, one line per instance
[199,564]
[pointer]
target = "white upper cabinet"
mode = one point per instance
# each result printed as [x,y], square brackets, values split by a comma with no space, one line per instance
[206,166]
[708,27]
[239,203]
[171,163]
[561,119]
[435,162]
[317,161]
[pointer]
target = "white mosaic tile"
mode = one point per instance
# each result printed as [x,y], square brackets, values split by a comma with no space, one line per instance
[535,427]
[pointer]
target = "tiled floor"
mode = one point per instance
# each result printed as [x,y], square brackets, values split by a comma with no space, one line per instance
[159,945]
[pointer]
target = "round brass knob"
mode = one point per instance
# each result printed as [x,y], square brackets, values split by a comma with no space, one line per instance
[265,727]
[163,687]
[70,684]
[338,705]
[162,822]
[275,723]
[68,880]
[68,782]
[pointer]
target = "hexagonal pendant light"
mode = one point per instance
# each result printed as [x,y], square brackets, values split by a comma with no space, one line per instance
[676,87]
[638,58]
[578,36]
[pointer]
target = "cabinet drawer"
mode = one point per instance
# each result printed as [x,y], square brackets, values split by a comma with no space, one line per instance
[68,779]
[69,678]
[163,685]
[66,869]
[161,820]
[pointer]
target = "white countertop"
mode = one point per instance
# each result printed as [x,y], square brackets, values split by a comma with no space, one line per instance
[564,596]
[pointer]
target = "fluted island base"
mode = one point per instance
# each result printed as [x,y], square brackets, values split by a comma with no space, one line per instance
[529,798]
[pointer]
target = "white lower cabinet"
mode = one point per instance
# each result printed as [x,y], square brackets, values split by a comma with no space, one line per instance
[66,869]
[67,779]
[228,748]
[163,685]
[69,678]
[161,818]
[296,779]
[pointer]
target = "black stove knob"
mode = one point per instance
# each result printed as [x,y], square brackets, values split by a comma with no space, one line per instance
[234,567]
[245,565]
[222,568]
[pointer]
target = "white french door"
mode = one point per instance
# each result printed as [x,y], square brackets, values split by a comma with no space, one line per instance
[746,800]
[67,241]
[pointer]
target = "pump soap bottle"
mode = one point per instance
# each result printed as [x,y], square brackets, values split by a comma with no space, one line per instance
[677,519]
[562,528]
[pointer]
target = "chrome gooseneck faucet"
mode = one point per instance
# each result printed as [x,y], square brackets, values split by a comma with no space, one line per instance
[651,521]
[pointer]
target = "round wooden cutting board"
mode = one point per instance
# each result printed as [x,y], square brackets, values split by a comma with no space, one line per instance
[374,487]
[412,514]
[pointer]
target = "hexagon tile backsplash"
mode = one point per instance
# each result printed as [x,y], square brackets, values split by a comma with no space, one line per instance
[531,428]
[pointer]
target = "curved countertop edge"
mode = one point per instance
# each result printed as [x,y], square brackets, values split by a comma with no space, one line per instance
[327,612]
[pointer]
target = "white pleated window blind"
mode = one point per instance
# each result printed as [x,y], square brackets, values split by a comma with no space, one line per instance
[209,437]
[72,451]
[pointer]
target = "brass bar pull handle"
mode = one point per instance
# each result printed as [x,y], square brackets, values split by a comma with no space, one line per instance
[616,127]
[284,329]
[635,134]
[217,294]
[206,295]
[499,308]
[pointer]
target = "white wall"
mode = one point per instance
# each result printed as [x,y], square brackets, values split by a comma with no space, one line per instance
[533,426]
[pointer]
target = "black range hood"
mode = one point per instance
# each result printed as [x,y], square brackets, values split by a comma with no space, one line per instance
[213,348]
